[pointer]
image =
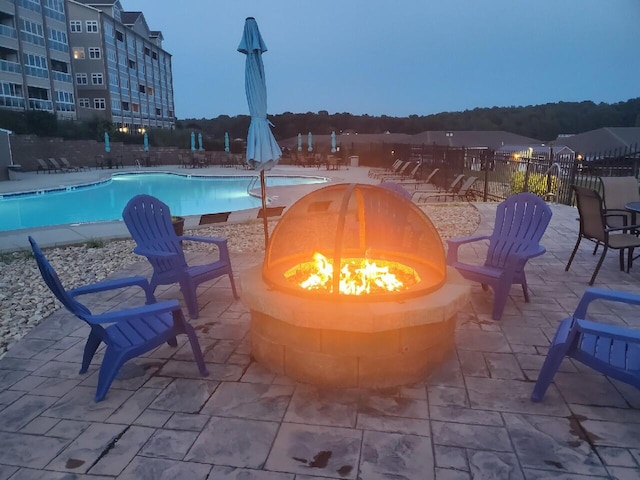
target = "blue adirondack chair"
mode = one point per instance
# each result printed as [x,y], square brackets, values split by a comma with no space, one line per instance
[126,333]
[611,350]
[521,220]
[149,222]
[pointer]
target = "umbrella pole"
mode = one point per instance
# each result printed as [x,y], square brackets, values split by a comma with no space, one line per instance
[263,190]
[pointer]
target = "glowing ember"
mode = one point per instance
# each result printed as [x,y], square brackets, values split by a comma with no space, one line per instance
[358,276]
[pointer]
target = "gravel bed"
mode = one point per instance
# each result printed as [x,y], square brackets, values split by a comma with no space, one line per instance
[25,300]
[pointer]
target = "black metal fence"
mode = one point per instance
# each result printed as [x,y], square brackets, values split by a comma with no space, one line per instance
[500,176]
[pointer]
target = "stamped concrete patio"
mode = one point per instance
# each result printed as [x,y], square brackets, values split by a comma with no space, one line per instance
[472,418]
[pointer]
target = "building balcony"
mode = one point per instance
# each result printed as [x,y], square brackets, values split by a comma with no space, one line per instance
[7,31]
[7,66]
[12,102]
[39,104]
[61,76]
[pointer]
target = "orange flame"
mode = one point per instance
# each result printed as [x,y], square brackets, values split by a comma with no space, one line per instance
[358,276]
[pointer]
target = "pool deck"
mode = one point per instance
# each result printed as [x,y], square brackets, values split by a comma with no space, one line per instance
[79,233]
[471,418]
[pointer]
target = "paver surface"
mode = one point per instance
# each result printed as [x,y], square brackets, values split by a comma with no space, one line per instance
[471,418]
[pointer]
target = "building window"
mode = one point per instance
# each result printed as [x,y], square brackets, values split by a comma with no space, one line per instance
[75,26]
[84,102]
[154,55]
[158,112]
[132,64]
[91,26]
[78,53]
[115,104]
[149,91]
[135,108]
[31,32]
[125,106]
[95,53]
[142,89]
[35,65]
[119,36]
[97,79]
[81,79]
[99,103]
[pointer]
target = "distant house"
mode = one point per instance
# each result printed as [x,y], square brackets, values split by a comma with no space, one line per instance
[540,151]
[603,141]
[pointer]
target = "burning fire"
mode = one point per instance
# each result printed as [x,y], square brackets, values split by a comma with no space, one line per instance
[358,276]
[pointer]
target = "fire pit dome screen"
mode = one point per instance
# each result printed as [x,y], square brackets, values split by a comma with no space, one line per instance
[384,244]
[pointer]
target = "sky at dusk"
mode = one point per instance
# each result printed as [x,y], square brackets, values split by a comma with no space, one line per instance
[402,57]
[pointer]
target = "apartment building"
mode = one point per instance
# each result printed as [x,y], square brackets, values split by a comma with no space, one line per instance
[83,59]
[121,71]
[35,61]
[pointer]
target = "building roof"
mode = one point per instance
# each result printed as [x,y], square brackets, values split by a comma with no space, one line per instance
[93,3]
[456,138]
[603,140]
[129,18]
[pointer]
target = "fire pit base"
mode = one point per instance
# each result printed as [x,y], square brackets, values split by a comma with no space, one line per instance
[352,344]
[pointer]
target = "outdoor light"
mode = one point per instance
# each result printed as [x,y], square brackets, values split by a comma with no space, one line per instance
[142,130]
[123,129]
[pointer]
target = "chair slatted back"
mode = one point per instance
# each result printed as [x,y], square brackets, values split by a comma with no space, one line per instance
[521,221]
[52,280]
[149,222]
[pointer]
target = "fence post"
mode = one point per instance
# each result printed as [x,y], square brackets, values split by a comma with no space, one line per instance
[525,185]
[485,166]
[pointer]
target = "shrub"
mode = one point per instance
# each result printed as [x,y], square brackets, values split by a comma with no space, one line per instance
[536,183]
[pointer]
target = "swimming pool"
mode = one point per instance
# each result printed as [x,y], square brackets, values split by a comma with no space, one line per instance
[104,201]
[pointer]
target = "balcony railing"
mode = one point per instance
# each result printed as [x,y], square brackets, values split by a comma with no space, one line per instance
[7,66]
[12,102]
[39,104]
[7,31]
[61,76]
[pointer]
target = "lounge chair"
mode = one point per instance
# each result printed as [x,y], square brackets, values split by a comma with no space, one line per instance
[43,166]
[127,333]
[57,166]
[417,195]
[149,222]
[521,221]
[464,193]
[375,171]
[611,350]
[65,163]
[396,170]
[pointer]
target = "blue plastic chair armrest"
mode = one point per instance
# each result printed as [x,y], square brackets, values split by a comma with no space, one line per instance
[145,252]
[216,240]
[463,240]
[610,331]
[152,309]
[455,243]
[141,282]
[592,294]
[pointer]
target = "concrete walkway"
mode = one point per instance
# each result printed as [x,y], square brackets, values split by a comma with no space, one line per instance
[471,418]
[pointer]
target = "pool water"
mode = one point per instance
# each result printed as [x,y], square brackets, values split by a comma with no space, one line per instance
[101,202]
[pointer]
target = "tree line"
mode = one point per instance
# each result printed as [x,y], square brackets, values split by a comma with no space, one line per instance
[542,122]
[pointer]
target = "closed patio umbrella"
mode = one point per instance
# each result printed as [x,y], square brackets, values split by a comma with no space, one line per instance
[299,142]
[310,142]
[263,151]
[107,144]
[226,142]
[193,142]
[201,146]
[333,142]
[146,142]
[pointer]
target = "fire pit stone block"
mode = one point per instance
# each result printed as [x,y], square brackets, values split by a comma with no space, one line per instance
[345,343]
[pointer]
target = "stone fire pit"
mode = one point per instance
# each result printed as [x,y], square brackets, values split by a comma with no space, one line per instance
[354,291]
[352,344]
